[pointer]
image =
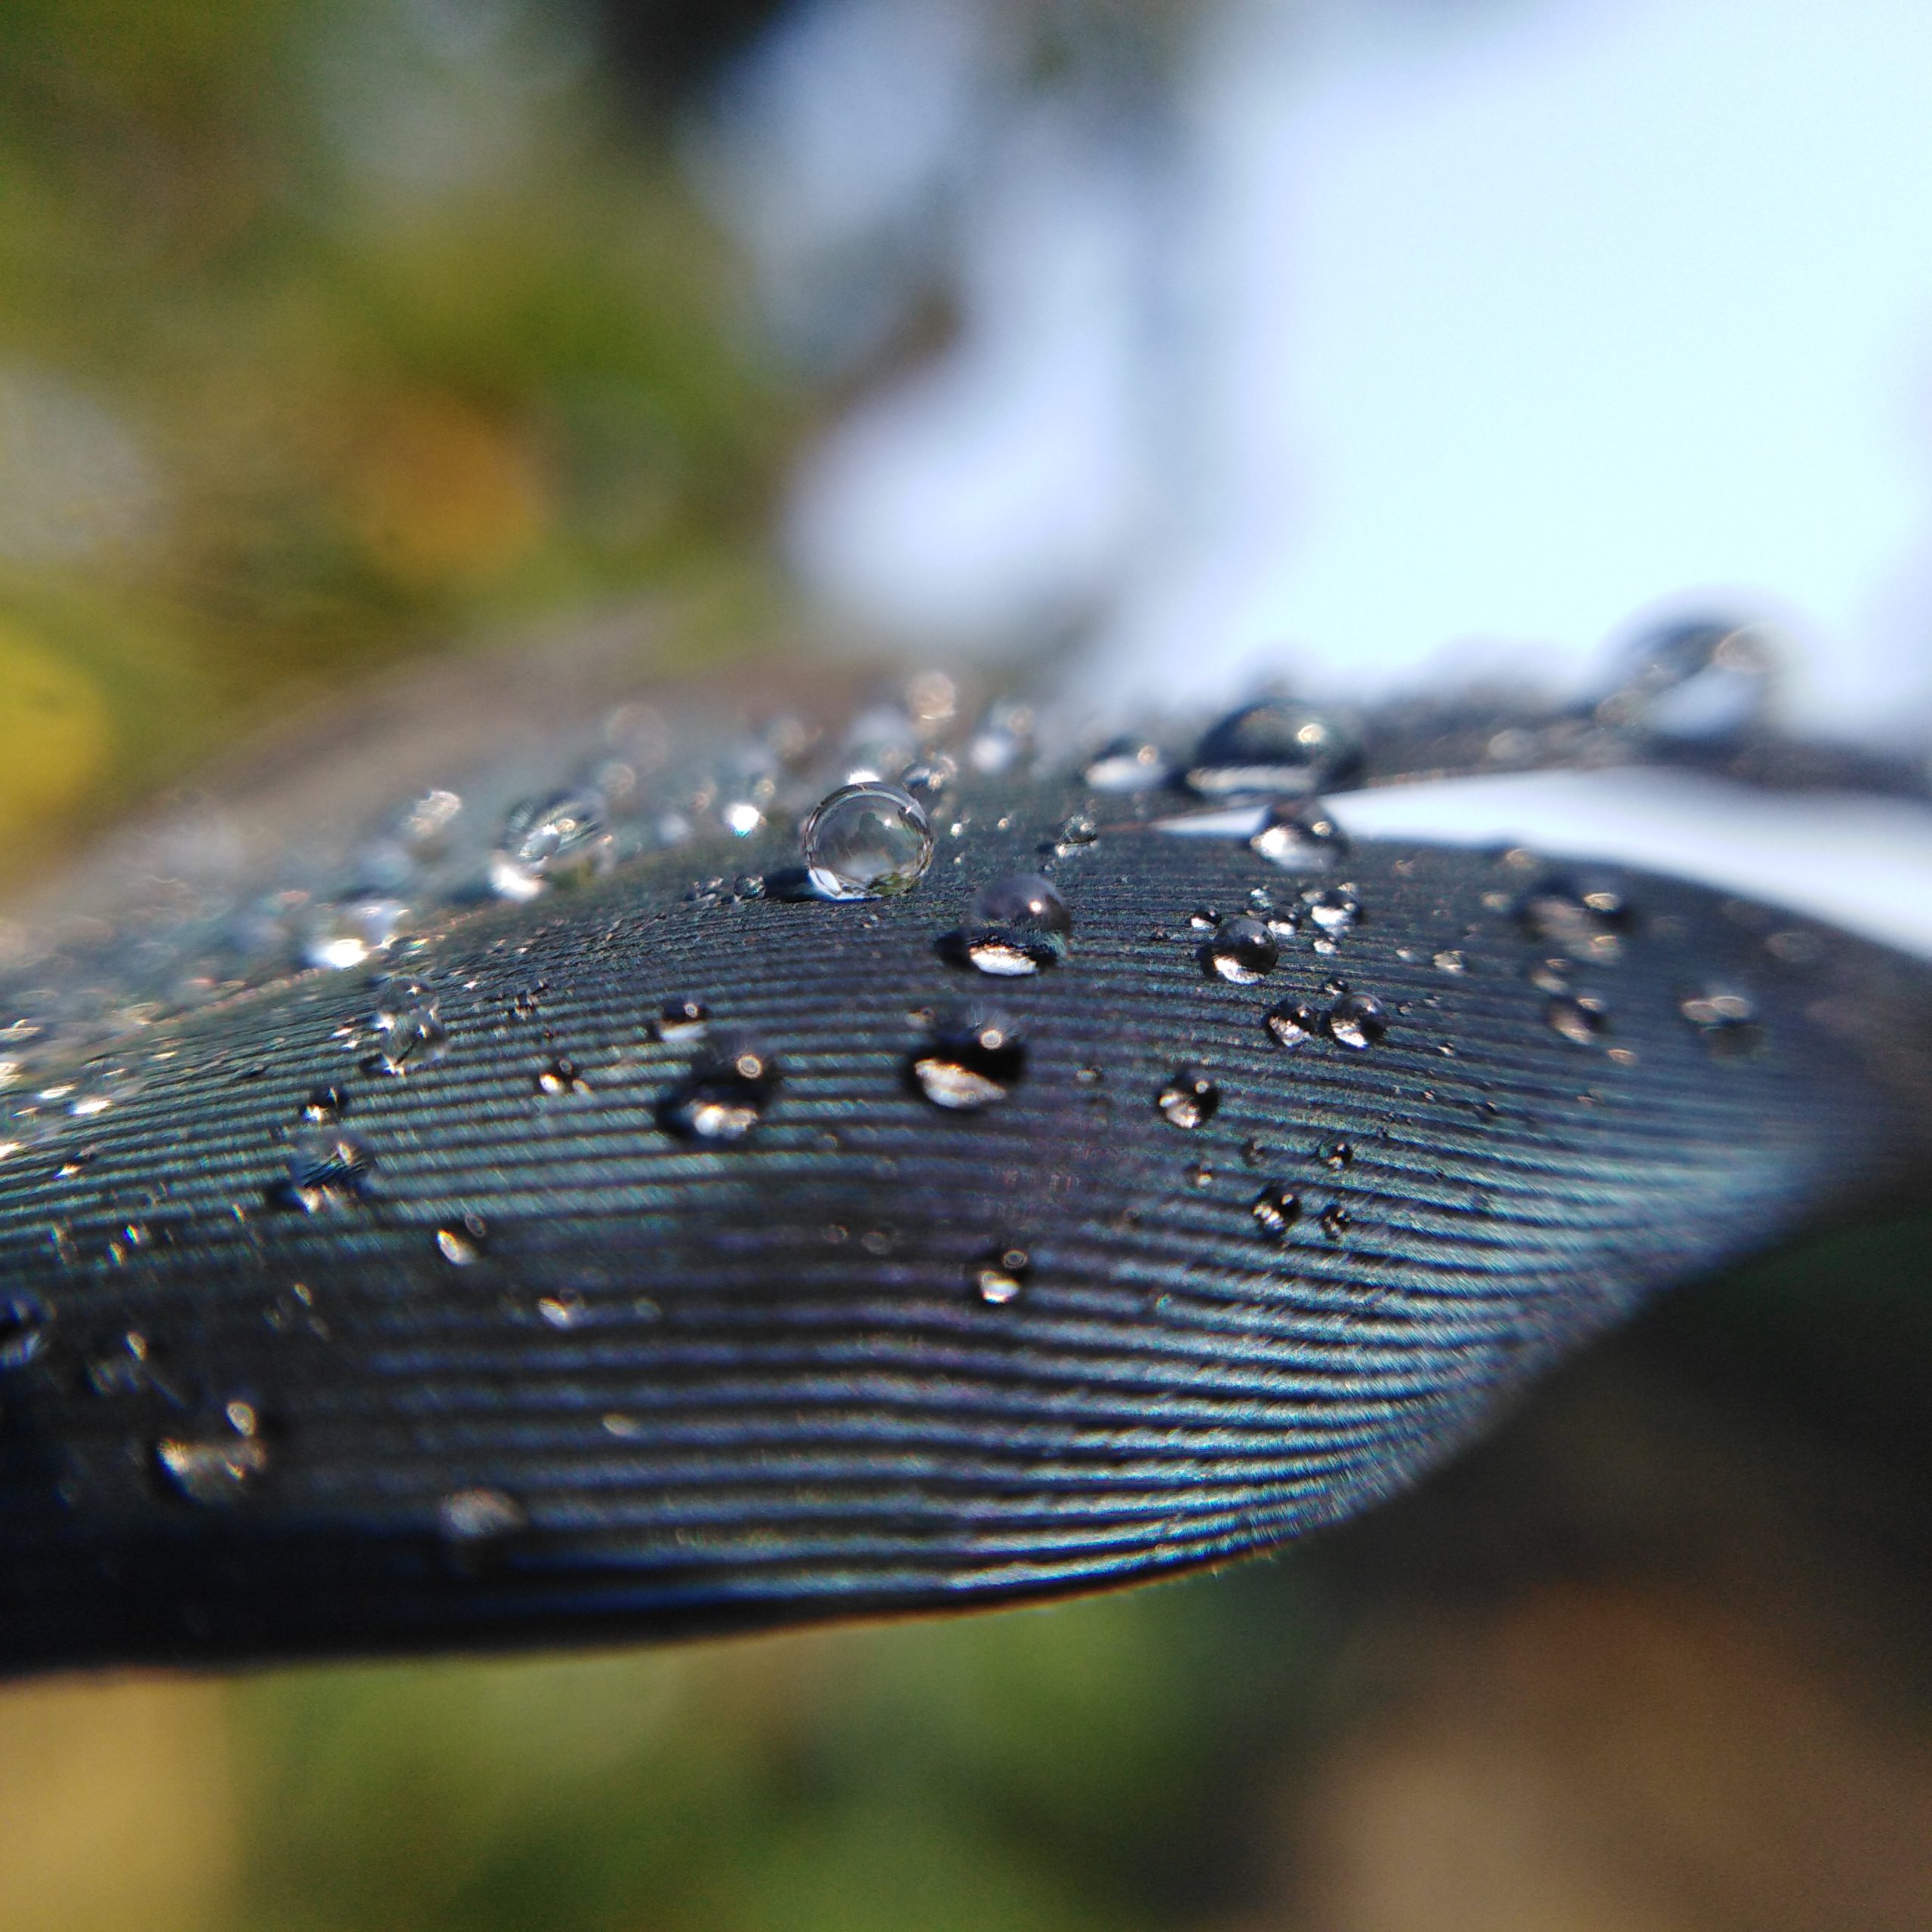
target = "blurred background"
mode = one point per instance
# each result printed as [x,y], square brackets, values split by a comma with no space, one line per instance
[1368,342]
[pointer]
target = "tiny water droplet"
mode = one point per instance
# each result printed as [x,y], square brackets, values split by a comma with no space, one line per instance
[1450,961]
[215,1472]
[409,1035]
[1577,1017]
[973,1061]
[1276,747]
[679,1020]
[561,1075]
[1076,833]
[1020,924]
[1126,764]
[1583,918]
[563,1309]
[999,1275]
[1334,909]
[325,1105]
[1276,1209]
[1242,952]
[351,932]
[1336,1155]
[1199,1174]
[1727,1021]
[868,840]
[327,1170]
[1189,1099]
[479,1515]
[1293,1023]
[24,1322]
[1300,836]
[559,840]
[1336,1220]
[461,1243]
[1357,1020]
[725,1095]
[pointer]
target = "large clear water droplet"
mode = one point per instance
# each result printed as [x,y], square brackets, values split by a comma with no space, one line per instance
[1300,836]
[973,1061]
[725,1095]
[559,840]
[869,841]
[1276,748]
[1357,1020]
[24,1322]
[1020,924]
[1242,952]
[1189,1099]
[1707,679]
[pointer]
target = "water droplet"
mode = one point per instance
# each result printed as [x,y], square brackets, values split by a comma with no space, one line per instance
[1127,765]
[327,1170]
[1334,909]
[409,1035]
[1276,1209]
[1583,918]
[1450,961]
[972,1060]
[1336,1155]
[868,841]
[325,1106]
[1706,679]
[563,1309]
[999,1275]
[725,1095]
[351,932]
[1336,1220]
[1076,833]
[1189,1098]
[1293,1023]
[24,1322]
[1300,836]
[561,1075]
[1020,924]
[1727,1020]
[424,825]
[461,1243]
[559,840]
[215,1472]
[1275,747]
[930,778]
[1577,1017]
[1356,1020]
[1198,1174]
[679,1020]
[479,1515]
[1242,952]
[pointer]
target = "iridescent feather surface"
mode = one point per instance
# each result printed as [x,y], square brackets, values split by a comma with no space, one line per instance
[589,1212]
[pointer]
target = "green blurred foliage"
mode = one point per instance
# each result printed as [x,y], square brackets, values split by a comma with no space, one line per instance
[1086,1766]
[330,328]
